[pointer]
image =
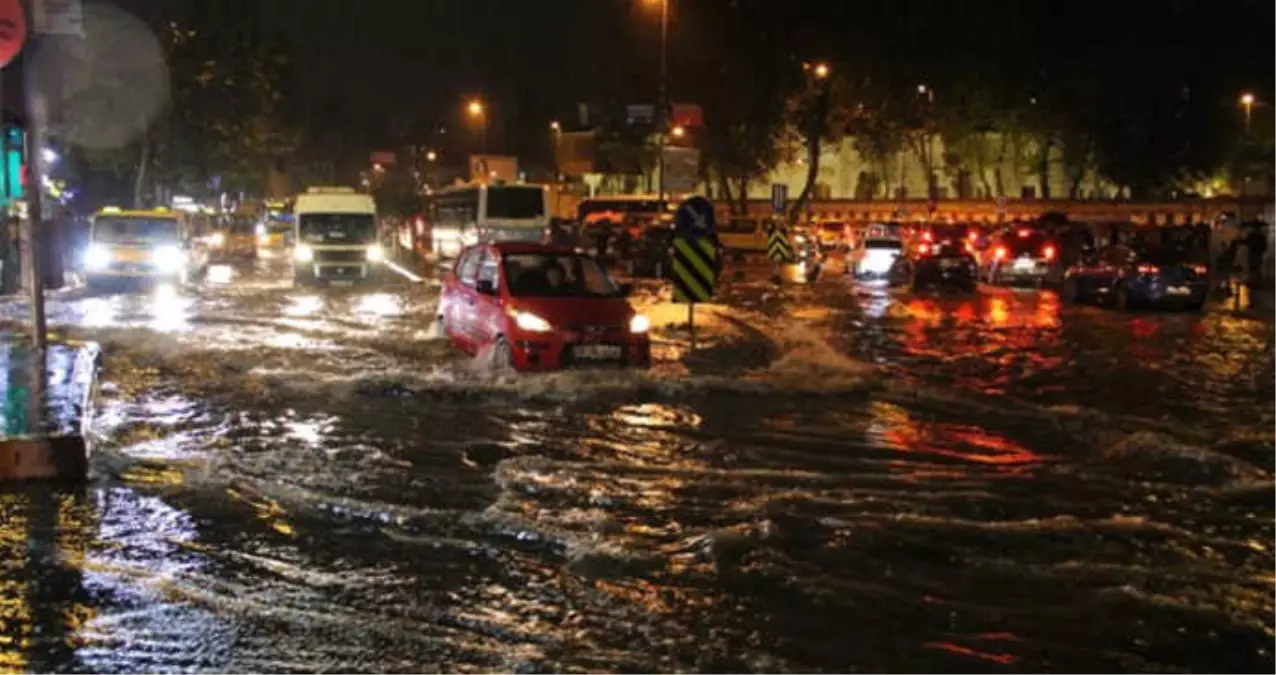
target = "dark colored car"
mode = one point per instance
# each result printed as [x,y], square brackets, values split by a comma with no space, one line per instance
[1127,278]
[944,258]
[1022,255]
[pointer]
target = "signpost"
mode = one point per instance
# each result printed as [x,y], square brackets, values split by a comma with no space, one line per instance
[779,198]
[696,256]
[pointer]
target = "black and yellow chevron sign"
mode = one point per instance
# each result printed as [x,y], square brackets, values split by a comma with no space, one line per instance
[778,247]
[695,269]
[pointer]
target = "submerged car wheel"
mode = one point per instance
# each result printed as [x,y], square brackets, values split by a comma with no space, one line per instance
[502,358]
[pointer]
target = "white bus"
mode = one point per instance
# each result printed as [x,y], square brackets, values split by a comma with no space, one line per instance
[464,215]
[336,236]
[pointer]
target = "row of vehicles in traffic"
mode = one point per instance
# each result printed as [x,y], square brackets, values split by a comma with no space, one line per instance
[959,257]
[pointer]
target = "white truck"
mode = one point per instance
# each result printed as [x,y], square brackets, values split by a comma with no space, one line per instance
[336,237]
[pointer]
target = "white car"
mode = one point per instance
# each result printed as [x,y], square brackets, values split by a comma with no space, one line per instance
[874,257]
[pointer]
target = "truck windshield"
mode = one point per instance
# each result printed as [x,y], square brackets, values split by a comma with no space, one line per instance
[515,202]
[125,229]
[337,228]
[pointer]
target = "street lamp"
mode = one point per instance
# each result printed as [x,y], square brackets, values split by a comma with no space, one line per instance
[478,111]
[555,126]
[821,71]
[1247,102]
[431,155]
[662,114]
[678,131]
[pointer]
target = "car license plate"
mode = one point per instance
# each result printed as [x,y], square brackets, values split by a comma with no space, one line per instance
[596,352]
[1024,264]
[1178,290]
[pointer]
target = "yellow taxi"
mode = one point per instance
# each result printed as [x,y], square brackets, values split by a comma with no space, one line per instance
[142,244]
[234,237]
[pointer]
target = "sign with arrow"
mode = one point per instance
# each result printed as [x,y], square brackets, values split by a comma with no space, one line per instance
[695,251]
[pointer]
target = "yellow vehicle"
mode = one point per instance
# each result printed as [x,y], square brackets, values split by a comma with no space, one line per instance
[157,244]
[234,237]
[748,235]
[274,234]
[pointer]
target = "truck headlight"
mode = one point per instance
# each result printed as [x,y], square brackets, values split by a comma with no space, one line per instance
[96,257]
[303,253]
[218,240]
[639,324]
[375,254]
[168,258]
[531,323]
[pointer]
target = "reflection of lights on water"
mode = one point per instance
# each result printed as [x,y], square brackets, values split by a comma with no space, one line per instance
[99,312]
[304,306]
[656,415]
[220,274]
[997,312]
[380,304]
[308,432]
[170,309]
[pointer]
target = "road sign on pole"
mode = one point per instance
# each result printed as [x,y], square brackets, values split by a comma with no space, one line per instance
[779,197]
[696,256]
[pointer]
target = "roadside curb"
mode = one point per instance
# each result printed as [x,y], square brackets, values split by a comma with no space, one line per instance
[58,415]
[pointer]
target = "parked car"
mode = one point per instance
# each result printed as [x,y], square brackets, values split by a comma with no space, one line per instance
[533,306]
[1127,278]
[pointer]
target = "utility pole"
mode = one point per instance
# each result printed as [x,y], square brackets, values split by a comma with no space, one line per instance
[32,266]
[662,113]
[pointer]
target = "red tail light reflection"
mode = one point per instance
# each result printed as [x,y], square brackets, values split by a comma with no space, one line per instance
[1048,252]
[1149,269]
[1000,253]
[923,248]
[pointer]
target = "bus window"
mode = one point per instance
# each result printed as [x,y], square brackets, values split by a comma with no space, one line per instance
[515,202]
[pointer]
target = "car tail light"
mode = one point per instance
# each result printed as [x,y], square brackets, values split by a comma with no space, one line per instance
[927,236]
[1023,233]
[1048,252]
[972,235]
[1200,269]
[923,248]
[970,247]
[1000,253]
[1149,269]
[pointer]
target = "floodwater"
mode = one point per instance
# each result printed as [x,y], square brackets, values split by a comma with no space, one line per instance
[841,478]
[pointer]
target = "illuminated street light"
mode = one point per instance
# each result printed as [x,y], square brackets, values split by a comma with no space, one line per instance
[431,156]
[678,131]
[1247,102]
[821,71]
[555,126]
[921,89]
[475,108]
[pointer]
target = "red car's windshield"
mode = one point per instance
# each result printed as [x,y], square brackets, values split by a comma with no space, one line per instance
[555,275]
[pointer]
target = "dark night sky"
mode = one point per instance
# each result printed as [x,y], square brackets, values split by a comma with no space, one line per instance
[400,67]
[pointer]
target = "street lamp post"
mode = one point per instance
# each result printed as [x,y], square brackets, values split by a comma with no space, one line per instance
[662,115]
[477,111]
[556,130]
[1247,102]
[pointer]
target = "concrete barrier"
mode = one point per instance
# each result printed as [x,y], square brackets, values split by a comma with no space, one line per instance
[48,408]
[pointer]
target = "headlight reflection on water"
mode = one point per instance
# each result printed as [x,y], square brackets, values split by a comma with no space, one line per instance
[170,309]
[380,304]
[305,305]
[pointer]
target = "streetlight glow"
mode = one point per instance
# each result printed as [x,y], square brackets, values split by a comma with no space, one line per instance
[921,89]
[475,108]
[555,126]
[821,70]
[678,131]
[431,156]
[1247,99]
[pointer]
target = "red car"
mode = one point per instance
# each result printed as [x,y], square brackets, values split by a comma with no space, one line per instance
[540,307]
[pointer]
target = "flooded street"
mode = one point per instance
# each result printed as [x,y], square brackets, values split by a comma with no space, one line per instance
[844,477]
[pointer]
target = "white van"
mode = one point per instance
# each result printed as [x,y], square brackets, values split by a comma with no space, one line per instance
[464,215]
[335,230]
